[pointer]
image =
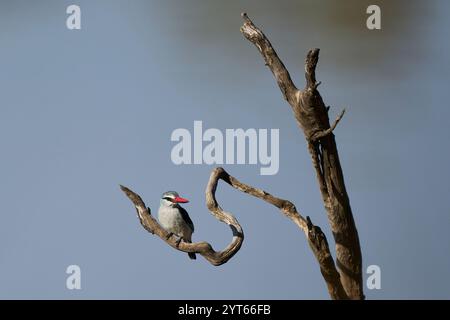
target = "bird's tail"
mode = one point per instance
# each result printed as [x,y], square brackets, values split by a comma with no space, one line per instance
[192,255]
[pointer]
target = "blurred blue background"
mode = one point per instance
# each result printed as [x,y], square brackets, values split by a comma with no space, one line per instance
[82,111]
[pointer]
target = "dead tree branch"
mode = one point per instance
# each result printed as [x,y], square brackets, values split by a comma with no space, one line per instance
[316,238]
[312,117]
[343,278]
[314,234]
[216,258]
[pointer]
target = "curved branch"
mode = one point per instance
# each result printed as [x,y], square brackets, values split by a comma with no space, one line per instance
[314,234]
[286,207]
[216,258]
[253,34]
[319,246]
[316,238]
[323,133]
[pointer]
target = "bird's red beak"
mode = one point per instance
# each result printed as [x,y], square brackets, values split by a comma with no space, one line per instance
[180,200]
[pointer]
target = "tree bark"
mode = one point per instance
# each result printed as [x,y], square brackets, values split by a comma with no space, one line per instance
[311,115]
[216,258]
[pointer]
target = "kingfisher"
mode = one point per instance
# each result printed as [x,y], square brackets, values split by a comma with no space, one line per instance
[175,219]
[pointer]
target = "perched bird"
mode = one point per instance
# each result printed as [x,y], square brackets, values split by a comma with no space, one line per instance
[175,218]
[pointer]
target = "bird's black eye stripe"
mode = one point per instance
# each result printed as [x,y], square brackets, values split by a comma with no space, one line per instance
[167,198]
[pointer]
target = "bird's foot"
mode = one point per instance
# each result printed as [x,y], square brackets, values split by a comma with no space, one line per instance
[169,235]
[177,240]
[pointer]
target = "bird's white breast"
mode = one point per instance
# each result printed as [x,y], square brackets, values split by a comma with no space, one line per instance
[171,219]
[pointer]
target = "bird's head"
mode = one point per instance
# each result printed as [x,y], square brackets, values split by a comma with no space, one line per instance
[172,199]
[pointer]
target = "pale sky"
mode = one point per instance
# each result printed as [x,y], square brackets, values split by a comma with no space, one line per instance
[82,111]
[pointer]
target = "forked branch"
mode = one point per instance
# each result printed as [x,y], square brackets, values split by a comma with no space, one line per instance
[314,234]
[216,258]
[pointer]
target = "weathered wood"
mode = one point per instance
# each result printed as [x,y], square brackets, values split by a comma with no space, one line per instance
[216,258]
[309,110]
[312,117]
[314,234]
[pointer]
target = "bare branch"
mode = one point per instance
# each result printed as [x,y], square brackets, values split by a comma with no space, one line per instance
[216,258]
[310,69]
[314,234]
[286,207]
[323,133]
[311,115]
[319,245]
[314,151]
[253,34]
[343,279]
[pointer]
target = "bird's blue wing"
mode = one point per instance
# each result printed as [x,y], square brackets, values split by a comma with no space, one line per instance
[186,218]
